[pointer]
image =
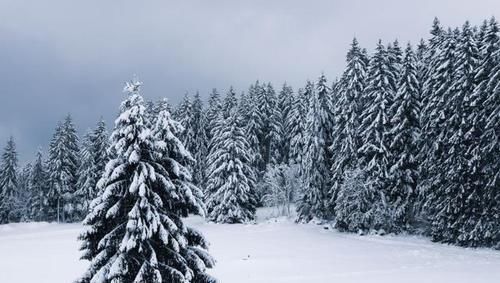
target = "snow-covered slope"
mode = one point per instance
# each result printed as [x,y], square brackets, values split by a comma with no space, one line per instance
[273,251]
[39,252]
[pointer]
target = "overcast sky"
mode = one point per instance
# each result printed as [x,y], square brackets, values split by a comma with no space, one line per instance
[59,57]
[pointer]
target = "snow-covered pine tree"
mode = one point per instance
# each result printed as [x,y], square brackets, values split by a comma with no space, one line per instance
[93,156]
[308,94]
[185,115]
[421,65]
[38,184]
[435,112]
[22,202]
[72,153]
[284,107]
[395,55]
[84,187]
[405,133]
[374,132]
[327,98]
[301,108]
[100,147]
[62,167]
[244,106]
[423,59]
[437,36]
[134,232]
[296,127]
[315,166]
[269,136]
[333,100]
[253,126]
[190,115]
[160,105]
[463,163]
[479,34]
[200,151]
[8,183]
[231,196]
[230,103]
[213,111]
[150,112]
[427,68]
[277,136]
[345,133]
[421,51]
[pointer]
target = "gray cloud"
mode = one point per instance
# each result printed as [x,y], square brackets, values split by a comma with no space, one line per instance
[59,56]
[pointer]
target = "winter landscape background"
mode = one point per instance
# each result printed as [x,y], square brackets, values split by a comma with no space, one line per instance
[387,169]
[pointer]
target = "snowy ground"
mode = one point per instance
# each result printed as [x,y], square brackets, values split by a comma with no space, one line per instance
[272,251]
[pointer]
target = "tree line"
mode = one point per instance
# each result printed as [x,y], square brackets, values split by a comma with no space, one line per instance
[406,140]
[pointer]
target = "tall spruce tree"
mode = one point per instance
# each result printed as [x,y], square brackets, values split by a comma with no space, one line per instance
[375,155]
[299,116]
[100,148]
[405,133]
[421,66]
[213,110]
[468,60]
[442,74]
[230,103]
[38,184]
[269,133]
[150,112]
[9,183]
[277,137]
[253,126]
[134,232]
[348,108]
[185,115]
[296,127]
[200,141]
[84,187]
[395,55]
[62,167]
[230,178]
[93,156]
[160,105]
[315,169]
[284,107]
[244,105]
[23,199]
[428,67]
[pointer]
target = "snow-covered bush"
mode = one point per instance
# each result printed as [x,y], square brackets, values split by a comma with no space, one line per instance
[281,183]
[353,203]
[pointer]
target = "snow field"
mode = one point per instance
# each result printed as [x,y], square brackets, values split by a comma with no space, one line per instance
[275,250]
